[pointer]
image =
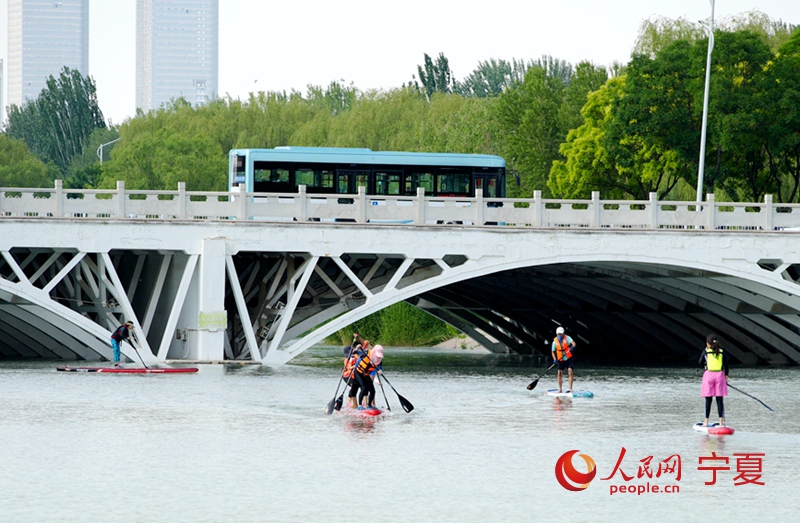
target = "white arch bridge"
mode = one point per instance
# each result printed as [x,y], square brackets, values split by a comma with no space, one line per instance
[215,276]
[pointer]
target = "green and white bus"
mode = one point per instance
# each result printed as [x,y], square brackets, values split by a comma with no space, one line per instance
[328,170]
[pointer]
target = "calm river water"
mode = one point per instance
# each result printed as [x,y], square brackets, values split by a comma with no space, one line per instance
[244,443]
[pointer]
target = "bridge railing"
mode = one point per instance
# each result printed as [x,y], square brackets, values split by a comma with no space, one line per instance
[122,204]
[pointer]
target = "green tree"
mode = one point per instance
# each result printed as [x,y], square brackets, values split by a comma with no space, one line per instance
[85,170]
[598,158]
[435,76]
[336,98]
[658,33]
[57,124]
[19,167]
[643,134]
[492,77]
[739,126]
[781,103]
[536,116]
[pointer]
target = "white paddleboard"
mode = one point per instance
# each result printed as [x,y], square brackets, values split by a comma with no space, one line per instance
[715,429]
[573,394]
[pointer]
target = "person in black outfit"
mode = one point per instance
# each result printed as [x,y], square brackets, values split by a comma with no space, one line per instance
[121,334]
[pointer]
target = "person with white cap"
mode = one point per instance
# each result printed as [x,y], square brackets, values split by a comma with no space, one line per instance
[563,346]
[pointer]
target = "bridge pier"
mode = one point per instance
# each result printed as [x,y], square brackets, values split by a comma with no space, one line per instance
[209,308]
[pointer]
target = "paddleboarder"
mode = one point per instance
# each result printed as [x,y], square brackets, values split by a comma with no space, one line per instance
[562,349]
[351,355]
[368,365]
[123,333]
[715,377]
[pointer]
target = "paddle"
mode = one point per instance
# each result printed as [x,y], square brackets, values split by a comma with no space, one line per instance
[331,404]
[338,404]
[407,406]
[750,396]
[137,353]
[536,381]
[384,395]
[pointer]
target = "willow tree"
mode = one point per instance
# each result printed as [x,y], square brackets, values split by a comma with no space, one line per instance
[57,124]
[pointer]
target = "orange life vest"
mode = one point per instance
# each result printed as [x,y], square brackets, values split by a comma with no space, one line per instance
[365,366]
[562,348]
[349,364]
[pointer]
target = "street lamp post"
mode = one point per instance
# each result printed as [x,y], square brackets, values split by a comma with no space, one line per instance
[710,29]
[100,150]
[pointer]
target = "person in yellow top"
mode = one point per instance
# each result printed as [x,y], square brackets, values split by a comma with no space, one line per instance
[715,378]
[562,356]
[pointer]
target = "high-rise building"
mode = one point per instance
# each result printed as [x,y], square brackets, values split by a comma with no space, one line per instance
[43,37]
[176,51]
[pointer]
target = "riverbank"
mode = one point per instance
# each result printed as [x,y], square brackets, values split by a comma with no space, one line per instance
[464,343]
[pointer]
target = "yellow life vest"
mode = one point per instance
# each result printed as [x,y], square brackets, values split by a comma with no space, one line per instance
[713,361]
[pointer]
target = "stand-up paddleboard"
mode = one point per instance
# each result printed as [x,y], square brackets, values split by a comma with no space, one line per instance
[715,429]
[370,412]
[126,370]
[573,394]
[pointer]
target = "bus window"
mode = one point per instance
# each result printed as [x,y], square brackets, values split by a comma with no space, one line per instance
[425,180]
[452,183]
[342,183]
[316,180]
[362,180]
[419,178]
[387,183]
[269,177]
[486,184]
[304,177]
[491,187]
[348,180]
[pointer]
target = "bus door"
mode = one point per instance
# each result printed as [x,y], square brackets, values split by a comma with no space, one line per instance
[348,181]
[487,185]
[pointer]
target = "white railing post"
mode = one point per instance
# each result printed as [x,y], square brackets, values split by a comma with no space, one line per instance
[59,199]
[420,203]
[121,199]
[479,206]
[182,200]
[301,193]
[596,209]
[243,214]
[711,209]
[653,210]
[769,219]
[362,205]
[538,209]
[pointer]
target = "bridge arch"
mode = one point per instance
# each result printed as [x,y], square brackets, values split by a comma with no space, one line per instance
[623,309]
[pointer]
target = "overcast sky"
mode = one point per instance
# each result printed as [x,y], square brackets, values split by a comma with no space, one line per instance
[287,45]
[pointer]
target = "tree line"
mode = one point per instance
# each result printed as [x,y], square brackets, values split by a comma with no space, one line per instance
[624,130]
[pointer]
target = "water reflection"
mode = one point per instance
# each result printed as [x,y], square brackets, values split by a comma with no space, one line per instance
[708,444]
[561,404]
[360,426]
